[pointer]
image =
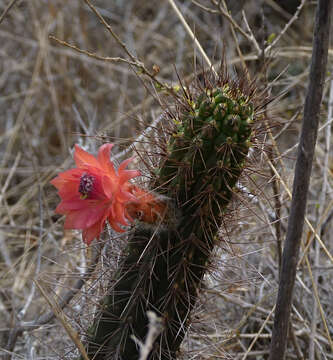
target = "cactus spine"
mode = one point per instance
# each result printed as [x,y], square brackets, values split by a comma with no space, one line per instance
[163,268]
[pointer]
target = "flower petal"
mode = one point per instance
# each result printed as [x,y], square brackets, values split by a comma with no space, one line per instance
[67,176]
[124,164]
[104,159]
[83,158]
[74,203]
[115,226]
[93,231]
[125,196]
[71,174]
[108,187]
[126,175]
[84,218]
[118,213]
[69,190]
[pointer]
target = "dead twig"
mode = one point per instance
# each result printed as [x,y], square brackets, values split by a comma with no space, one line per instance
[136,63]
[5,12]
[286,27]
[248,36]
[93,55]
[302,178]
[45,318]
[193,37]
[62,318]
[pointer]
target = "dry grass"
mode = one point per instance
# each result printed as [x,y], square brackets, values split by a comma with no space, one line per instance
[53,97]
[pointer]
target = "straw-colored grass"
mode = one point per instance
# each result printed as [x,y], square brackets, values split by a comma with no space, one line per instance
[65,79]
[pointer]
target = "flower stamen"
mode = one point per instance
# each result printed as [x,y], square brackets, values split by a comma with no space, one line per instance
[86,185]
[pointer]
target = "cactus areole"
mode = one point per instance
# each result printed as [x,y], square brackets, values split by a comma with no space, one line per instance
[163,267]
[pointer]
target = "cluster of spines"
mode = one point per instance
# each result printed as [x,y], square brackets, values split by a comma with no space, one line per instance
[163,269]
[209,145]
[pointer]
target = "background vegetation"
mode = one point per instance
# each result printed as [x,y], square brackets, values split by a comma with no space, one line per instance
[52,96]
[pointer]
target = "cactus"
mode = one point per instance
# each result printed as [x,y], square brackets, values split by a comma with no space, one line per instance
[163,265]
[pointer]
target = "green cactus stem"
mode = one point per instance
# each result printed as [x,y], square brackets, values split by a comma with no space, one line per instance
[163,267]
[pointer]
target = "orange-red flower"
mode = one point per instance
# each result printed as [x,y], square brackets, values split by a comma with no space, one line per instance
[149,208]
[95,192]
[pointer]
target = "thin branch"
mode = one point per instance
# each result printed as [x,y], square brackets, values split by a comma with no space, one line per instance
[72,333]
[5,12]
[93,55]
[190,32]
[276,7]
[318,304]
[140,138]
[109,28]
[48,316]
[257,335]
[302,178]
[322,201]
[239,51]
[155,327]
[250,37]
[287,26]
[294,340]
[22,313]
[307,221]
[205,8]
[67,297]
[135,62]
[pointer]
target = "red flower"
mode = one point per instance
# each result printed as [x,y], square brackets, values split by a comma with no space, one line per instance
[94,192]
